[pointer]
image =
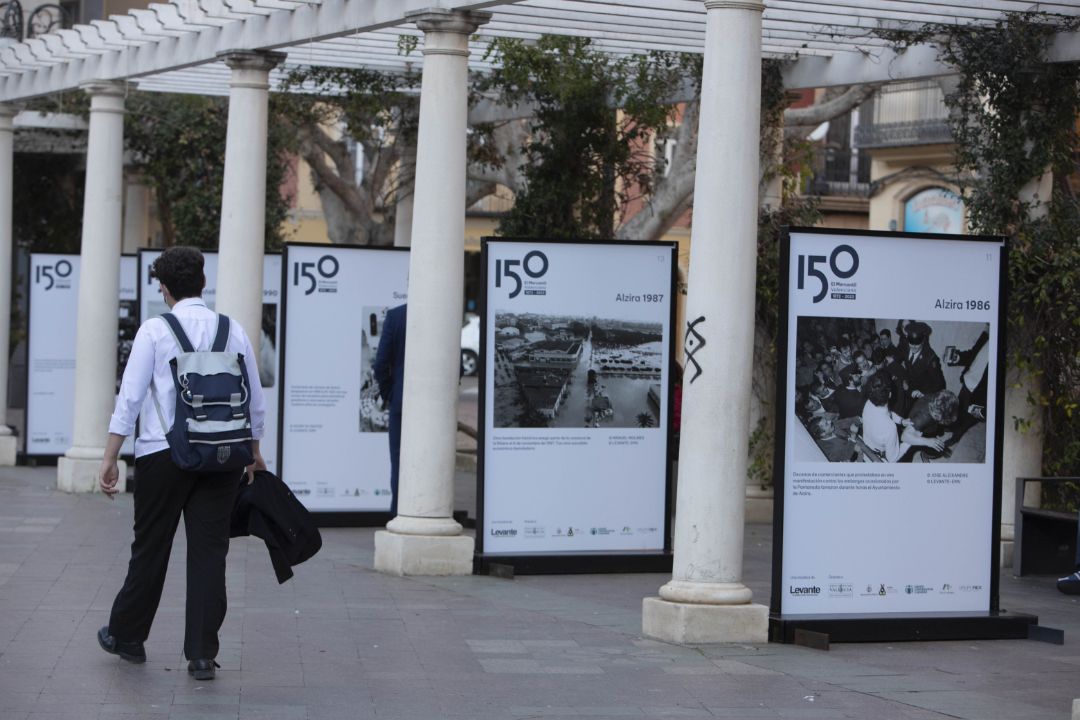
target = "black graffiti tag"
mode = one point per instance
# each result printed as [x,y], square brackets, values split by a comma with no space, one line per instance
[693,344]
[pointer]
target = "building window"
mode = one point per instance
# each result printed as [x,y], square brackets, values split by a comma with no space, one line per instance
[934,210]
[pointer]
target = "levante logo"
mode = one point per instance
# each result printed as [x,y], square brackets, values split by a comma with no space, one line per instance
[534,265]
[840,269]
[806,590]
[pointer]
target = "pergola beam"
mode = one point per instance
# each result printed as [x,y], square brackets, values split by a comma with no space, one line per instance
[177,49]
[834,40]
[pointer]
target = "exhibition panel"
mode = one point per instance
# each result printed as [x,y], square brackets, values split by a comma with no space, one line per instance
[151,304]
[50,367]
[888,472]
[334,447]
[576,405]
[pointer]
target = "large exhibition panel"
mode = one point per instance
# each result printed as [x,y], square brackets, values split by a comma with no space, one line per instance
[50,366]
[334,449]
[889,430]
[151,304]
[575,405]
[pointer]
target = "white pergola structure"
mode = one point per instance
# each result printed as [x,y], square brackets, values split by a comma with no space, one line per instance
[242,47]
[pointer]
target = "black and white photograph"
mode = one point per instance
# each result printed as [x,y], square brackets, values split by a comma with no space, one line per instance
[564,371]
[268,345]
[891,391]
[374,413]
[126,329]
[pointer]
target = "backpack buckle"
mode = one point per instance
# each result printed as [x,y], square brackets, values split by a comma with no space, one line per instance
[197,407]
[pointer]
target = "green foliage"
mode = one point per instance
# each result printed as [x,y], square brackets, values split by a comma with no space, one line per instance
[369,103]
[1063,497]
[48,202]
[759,471]
[585,160]
[795,211]
[178,143]
[1014,117]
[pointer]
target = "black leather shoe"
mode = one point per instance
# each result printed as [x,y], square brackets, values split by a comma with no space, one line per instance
[133,652]
[202,669]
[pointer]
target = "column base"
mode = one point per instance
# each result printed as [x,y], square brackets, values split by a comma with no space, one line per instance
[691,624]
[9,450]
[80,475]
[397,554]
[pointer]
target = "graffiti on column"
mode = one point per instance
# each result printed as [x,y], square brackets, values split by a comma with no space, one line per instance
[693,343]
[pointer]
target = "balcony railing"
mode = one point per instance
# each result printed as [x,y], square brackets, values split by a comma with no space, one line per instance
[908,113]
[840,171]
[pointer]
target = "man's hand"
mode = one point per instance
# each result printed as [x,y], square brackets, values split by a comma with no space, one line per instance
[916,394]
[259,464]
[109,475]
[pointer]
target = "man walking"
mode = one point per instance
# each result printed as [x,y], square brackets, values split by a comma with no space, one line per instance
[389,370]
[165,491]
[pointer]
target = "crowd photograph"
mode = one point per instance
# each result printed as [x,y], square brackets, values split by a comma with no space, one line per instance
[891,391]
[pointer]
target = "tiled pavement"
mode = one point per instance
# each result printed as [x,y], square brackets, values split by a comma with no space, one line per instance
[341,641]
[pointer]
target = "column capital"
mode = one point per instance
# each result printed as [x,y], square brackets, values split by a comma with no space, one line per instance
[105,88]
[265,60]
[462,22]
[7,117]
[756,5]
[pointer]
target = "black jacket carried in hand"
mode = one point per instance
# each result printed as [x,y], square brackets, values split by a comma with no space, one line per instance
[267,509]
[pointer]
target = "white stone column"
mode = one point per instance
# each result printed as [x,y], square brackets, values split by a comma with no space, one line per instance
[424,539]
[403,207]
[243,198]
[706,600]
[136,215]
[8,449]
[99,286]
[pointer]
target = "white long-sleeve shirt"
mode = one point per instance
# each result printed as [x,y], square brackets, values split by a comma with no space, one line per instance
[148,365]
[879,431]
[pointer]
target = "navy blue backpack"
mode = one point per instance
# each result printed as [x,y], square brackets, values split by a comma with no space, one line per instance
[211,430]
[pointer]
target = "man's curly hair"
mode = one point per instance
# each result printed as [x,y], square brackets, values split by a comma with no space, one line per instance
[878,390]
[944,407]
[180,269]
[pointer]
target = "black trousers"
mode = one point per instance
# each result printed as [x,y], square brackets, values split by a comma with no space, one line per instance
[395,458]
[162,492]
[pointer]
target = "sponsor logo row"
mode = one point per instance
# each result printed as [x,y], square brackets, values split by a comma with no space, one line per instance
[531,531]
[325,491]
[846,589]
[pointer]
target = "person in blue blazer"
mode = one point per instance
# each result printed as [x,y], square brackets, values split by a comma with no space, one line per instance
[389,373]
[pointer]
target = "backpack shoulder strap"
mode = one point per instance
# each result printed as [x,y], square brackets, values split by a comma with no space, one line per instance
[178,332]
[222,337]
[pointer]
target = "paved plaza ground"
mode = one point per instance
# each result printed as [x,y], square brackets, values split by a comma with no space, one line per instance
[341,641]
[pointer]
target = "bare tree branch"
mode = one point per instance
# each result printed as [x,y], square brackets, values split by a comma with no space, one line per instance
[674,193]
[816,114]
[509,139]
[334,178]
